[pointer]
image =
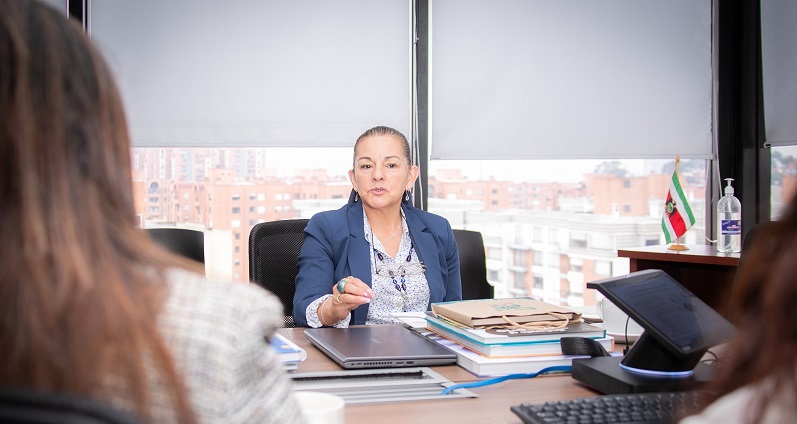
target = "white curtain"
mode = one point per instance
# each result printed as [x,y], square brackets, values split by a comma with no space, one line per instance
[779,62]
[257,72]
[525,79]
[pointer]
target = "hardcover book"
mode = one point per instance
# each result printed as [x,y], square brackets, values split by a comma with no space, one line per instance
[495,336]
[288,352]
[482,366]
[509,350]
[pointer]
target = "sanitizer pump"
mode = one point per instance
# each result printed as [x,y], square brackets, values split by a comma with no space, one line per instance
[729,222]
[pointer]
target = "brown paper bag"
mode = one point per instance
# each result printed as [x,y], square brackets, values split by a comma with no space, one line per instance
[486,312]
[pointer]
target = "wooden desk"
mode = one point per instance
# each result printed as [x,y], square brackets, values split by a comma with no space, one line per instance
[492,405]
[701,269]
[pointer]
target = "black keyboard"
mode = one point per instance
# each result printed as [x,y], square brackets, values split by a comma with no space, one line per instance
[664,407]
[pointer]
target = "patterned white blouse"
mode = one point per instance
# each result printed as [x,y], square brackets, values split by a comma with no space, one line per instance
[399,283]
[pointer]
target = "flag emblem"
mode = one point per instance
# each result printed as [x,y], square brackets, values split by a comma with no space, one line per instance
[678,215]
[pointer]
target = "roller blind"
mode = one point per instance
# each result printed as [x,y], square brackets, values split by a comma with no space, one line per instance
[523,79]
[257,73]
[779,63]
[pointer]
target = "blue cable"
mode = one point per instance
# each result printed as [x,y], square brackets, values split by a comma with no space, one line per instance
[561,368]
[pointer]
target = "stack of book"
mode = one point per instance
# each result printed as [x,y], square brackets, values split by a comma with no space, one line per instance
[288,352]
[502,351]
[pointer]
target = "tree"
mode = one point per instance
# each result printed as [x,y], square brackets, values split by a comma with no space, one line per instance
[613,167]
[781,165]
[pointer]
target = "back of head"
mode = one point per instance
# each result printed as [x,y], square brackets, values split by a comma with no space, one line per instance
[765,348]
[76,293]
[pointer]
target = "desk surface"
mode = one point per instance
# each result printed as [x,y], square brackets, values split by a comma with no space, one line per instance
[697,254]
[492,405]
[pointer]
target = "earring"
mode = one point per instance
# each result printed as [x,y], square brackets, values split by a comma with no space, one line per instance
[356,196]
[407,196]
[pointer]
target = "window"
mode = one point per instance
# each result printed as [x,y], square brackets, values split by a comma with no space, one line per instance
[576,265]
[602,241]
[784,178]
[603,268]
[520,258]
[578,243]
[579,217]
[236,209]
[554,203]
[539,235]
[518,282]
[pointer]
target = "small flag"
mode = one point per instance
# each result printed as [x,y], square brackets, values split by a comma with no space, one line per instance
[678,215]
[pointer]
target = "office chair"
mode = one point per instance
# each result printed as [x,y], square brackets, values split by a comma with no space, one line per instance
[274,249]
[26,406]
[183,241]
[473,265]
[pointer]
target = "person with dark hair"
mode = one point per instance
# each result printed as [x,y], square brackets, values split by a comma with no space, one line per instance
[377,255]
[757,377]
[89,304]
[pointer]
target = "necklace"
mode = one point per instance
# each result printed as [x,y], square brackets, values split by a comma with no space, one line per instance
[394,270]
[392,235]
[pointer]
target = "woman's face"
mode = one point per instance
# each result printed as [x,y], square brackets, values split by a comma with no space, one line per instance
[381,173]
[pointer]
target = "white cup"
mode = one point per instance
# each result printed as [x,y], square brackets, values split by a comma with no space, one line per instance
[614,319]
[320,408]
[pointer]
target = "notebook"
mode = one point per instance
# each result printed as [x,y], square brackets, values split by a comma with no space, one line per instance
[379,346]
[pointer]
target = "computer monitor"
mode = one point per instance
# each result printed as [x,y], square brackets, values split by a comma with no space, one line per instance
[679,327]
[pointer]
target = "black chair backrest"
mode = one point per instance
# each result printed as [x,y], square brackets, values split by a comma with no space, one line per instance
[26,406]
[753,234]
[759,234]
[473,265]
[274,249]
[183,241]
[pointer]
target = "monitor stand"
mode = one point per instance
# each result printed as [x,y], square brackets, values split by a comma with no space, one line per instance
[605,375]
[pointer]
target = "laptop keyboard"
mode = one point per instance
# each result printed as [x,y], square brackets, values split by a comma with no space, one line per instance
[664,407]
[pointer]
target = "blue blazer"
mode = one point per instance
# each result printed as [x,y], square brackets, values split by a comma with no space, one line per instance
[335,247]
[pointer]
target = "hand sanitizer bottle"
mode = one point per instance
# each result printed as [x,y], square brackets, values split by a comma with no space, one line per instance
[729,222]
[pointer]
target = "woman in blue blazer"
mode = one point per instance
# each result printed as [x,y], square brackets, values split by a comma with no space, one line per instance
[377,255]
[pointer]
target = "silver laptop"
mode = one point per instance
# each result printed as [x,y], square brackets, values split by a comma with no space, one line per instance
[379,346]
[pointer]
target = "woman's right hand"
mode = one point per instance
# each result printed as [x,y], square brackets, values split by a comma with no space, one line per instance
[338,307]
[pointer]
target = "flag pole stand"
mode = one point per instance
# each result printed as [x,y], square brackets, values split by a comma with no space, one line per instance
[677,245]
